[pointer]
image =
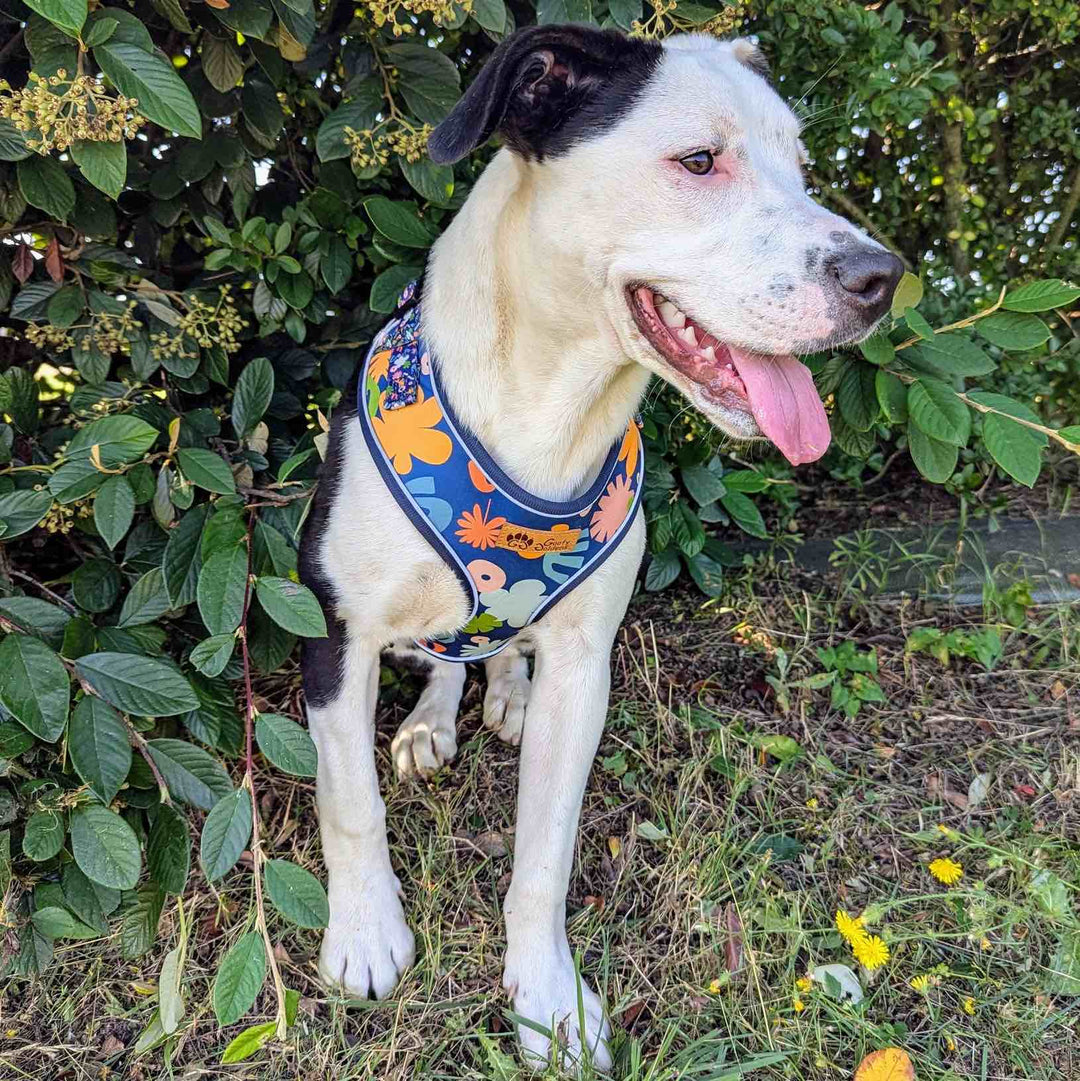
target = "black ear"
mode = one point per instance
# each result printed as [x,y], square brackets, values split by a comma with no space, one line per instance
[545,88]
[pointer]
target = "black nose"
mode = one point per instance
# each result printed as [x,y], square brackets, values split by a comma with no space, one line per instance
[868,277]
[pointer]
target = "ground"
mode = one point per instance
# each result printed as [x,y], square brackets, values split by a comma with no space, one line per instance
[733,808]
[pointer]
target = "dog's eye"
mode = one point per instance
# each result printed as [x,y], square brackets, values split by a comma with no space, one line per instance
[699,164]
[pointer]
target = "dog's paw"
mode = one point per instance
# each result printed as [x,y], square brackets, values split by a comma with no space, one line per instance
[547,992]
[504,706]
[368,944]
[426,740]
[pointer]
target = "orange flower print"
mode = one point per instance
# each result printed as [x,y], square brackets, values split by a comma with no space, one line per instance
[629,448]
[379,367]
[614,504]
[480,482]
[410,432]
[477,529]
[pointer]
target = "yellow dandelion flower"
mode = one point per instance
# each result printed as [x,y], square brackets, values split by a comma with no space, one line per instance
[714,987]
[850,927]
[870,951]
[798,1004]
[985,945]
[969,1006]
[804,984]
[948,871]
[950,1044]
[812,803]
[920,983]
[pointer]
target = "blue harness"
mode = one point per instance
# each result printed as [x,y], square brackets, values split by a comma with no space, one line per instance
[515,554]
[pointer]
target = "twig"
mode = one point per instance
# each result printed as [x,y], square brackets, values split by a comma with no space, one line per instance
[136,740]
[45,589]
[249,784]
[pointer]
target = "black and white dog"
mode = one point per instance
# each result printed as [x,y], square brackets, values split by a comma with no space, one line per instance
[647,216]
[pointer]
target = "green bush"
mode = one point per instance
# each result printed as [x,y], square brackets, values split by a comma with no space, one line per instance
[205,212]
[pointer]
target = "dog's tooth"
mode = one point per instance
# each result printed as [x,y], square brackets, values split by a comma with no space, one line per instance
[688,336]
[672,316]
[709,353]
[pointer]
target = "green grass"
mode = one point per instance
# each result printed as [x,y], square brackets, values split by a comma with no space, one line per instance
[707,876]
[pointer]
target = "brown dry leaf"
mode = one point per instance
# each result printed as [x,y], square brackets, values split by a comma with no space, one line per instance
[938,787]
[888,1064]
[884,752]
[614,847]
[22,266]
[111,1046]
[733,946]
[54,261]
[1058,690]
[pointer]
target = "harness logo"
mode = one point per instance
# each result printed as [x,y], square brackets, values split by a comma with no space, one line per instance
[533,543]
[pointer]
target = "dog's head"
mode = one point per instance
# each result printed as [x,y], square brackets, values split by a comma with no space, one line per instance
[673,175]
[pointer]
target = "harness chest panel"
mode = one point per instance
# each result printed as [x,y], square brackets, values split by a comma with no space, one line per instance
[515,554]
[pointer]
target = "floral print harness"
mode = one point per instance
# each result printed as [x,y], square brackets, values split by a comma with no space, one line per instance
[515,554]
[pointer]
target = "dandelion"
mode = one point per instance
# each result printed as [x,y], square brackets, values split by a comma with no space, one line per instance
[850,927]
[985,945]
[969,1006]
[948,832]
[804,984]
[798,1004]
[870,951]
[920,983]
[714,987]
[948,871]
[812,803]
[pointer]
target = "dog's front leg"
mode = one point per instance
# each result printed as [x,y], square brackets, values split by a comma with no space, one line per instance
[367,944]
[562,729]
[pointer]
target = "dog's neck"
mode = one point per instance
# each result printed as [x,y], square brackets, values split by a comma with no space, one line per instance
[525,352]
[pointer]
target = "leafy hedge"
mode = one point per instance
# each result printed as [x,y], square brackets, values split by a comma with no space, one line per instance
[205,212]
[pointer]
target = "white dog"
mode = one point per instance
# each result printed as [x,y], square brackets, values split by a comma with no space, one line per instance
[647,216]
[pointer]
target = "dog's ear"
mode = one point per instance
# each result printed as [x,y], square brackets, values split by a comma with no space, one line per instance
[544,88]
[750,56]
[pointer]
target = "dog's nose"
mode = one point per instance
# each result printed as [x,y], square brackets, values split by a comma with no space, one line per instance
[869,277]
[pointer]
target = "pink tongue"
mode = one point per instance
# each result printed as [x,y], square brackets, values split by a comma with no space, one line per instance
[785,404]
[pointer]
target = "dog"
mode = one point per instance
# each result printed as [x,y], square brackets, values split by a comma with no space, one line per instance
[645,216]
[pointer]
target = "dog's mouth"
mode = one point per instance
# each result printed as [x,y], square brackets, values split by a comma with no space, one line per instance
[776,390]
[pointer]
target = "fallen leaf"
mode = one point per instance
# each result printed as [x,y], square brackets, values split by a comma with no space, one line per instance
[54,261]
[632,1012]
[1074,580]
[492,844]
[22,266]
[733,946]
[1025,791]
[111,1046]
[978,789]
[888,1064]
[595,903]
[614,847]
[848,981]
[938,787]
[1057,690]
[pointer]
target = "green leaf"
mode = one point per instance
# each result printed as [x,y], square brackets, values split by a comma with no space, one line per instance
[336,266]
[908,294]
[398,221]
[212,655]
[263,115]
[82,897]
[564,11]
[12,144]
[433,183]
[69,15]
[120,440]
[221,63]
[744,514]
[248,1042]
[1015,448]
[254,389]
[286,744]
[138,928]
[100,32]
[935,460]
[182,561]
[663,569]
[857,397]
[192,775]
[1071,434]
[1063,975]
[44,835]
[291,606]
[878,350]
[142,686]
[104,164]
[222,585]
[271,553]
[918,324]
[36,617]
[1013,330]
[168,850]
[745,480]
[892,397]
[948,354]
[206,469]
[430,81]
[170,996]
[239,979]
[1041,296]
[225,834]
[491,15]
[21,510]
[387,287]
[96,585]
[297,894]
[148,77]
[707,574]
[99,747]
[105,847]
[146,602]
[55,922]
[45,184]
[114,509]
[937,411]
[703,484]
[34,686]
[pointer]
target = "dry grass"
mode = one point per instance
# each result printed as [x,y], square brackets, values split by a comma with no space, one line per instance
[706,877]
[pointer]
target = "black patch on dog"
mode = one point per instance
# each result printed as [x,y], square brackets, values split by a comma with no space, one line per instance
[320,658]
[547,88]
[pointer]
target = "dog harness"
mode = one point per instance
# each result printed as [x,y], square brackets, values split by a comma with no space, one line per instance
[515,553]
